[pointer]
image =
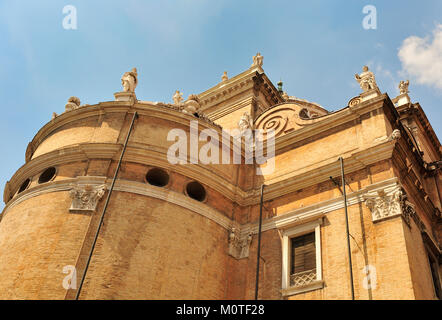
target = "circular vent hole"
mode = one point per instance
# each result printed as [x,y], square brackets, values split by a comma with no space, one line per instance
[157,177]
[24,185]
[196,191]
[47,175]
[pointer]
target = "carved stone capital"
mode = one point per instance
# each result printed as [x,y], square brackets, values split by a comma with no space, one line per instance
[239,248]
[390,203]
[86,197]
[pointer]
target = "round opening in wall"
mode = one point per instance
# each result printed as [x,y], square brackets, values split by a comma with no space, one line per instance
[157,177]
[196,191]
[24,185]
[47,175]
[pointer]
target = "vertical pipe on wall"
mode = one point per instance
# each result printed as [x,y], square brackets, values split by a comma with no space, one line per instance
[105,206]
[259,243]
[347,229]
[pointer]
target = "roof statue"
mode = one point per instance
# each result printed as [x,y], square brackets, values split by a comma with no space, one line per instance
[192,105]
[224,77]
[257,61]
[403,87]
[177,97]
[366,79]
[129,80]
[73,103]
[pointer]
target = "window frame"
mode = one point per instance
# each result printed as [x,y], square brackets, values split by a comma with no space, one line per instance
[287,235]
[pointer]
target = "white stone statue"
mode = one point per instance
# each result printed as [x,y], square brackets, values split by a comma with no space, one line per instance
[257,60]
[177,97]
[285,96]
[73,103]
[245,122]
[366,79]
[403,87]
[224,76]
[129,80]
[192,105]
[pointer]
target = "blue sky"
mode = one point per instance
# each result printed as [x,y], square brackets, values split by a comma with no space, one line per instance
[315,47]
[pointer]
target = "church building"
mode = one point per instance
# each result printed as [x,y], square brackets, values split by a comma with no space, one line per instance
[133,199]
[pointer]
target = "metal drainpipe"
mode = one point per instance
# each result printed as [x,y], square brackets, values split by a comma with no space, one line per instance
[105,206]
[348,233]
[259,244]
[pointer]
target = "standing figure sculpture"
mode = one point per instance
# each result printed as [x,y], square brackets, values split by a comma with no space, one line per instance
[177,97]
[257,60]
[129,80]
[366,80]
[403,87]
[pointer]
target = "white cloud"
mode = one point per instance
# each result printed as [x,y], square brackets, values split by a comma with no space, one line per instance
[422,58]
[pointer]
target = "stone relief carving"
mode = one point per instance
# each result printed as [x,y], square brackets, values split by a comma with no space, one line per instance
[307,114]
[239,248]
[366,79]
[245,122]
[129,80]
[73,103]
[395,135]
[86,197]
[390,204]
[257,61]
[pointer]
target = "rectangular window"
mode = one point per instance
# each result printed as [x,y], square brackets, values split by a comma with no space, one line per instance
[303,260]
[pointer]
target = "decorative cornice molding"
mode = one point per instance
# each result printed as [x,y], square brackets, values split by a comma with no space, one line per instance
[241,233]
[317,210]
[216,179]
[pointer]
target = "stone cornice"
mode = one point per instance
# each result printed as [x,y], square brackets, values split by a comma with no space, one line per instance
[317,210]
[235,85]
[286,220]
[250,81]
[125,186]
[416,109]
[213,178]
[158,110]
[353,162]
[327,122]
[136,153]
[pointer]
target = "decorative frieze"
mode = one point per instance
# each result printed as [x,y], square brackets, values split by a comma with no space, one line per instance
[86,197]
[239,248]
